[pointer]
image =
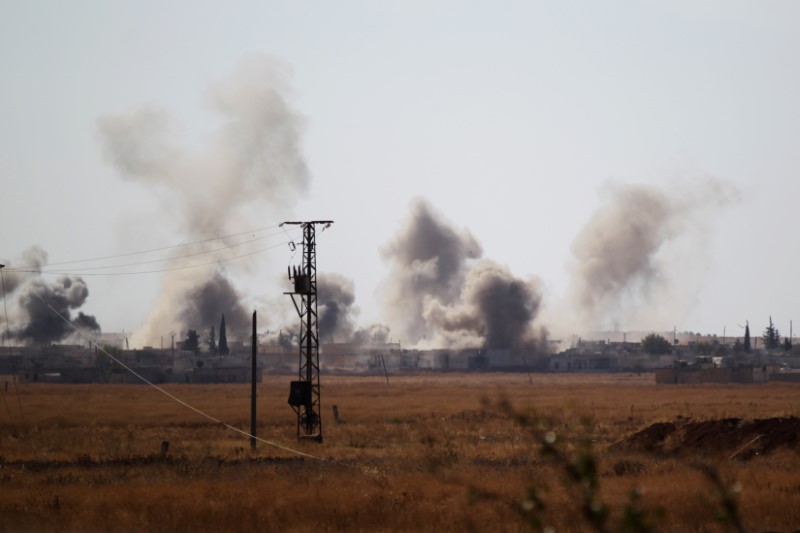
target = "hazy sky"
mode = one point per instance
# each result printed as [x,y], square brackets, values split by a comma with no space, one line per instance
[511,118]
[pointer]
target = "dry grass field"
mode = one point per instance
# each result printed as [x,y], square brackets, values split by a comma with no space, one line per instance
[444,452]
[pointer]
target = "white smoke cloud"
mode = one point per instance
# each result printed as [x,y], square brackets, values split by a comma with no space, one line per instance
[628,256]
[253,159]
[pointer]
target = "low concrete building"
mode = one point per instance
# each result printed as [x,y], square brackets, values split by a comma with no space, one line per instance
[696,374]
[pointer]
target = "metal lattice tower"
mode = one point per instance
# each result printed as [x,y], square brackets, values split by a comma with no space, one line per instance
[304,395]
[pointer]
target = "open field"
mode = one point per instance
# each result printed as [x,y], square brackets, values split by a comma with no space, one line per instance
[423,453]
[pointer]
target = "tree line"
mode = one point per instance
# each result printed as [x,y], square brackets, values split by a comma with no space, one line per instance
[216,347]
[655,344]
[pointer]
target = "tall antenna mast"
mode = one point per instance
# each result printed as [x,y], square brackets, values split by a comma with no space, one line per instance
[304,394]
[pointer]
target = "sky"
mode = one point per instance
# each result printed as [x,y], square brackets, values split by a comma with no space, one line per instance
[513,120]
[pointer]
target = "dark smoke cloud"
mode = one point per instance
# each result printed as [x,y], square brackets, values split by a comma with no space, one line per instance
[253,161]
[335,299]
[440,295]
[41,324]
[30,318]
[337,313]
[428,259]
[621,256]
[86,322]
[207,302]
[495,310]
[503,306]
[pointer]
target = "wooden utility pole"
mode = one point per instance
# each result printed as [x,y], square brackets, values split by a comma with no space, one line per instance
[253,387]
[385,372]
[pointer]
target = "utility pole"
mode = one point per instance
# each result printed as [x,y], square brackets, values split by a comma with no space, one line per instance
[253,372]
[5,305]
[304,394]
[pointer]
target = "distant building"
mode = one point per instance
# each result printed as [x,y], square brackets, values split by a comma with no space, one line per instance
[685,374]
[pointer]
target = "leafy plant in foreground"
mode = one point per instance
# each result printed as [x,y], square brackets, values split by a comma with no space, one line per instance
[580,469]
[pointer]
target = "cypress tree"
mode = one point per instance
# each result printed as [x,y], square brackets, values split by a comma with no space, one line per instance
[223,339]
[212,342]
[772,337]
[747,337]
[192,342]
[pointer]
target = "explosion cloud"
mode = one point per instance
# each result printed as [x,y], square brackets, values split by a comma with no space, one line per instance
[495,310]
[42,325]
[30,318]
[253,159]
[439,293]
[205,303]
[335,298]
[625,253]
[337,313]
[428,260]
[32,260]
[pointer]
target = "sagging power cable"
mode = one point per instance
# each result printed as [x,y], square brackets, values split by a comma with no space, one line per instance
[180,401]
[36,268]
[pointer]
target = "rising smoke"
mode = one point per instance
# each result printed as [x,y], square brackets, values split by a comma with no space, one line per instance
[205,303]
[31,264]
[39,301]
[335,299]
[440,293]
[253,161]
[627,253]
[35,302]
[495,310]
[427,260]
[338,314]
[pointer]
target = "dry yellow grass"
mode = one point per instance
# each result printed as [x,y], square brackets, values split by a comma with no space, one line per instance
[405,457]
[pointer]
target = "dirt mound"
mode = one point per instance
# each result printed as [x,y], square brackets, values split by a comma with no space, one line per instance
[739,438]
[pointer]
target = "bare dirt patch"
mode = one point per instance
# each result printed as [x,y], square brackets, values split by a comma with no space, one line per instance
[738,437]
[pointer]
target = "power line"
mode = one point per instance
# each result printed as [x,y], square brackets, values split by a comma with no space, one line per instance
[175,398]
[214,262]
[169,259]
[29,268]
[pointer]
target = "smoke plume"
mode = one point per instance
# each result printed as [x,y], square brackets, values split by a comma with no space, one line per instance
[31,264]
[626,253]
[495,310]
[31,319]
[41,324]
[254,155]
[335,298]
[206,303]
[338,314]
[440,294]
[428,260]
[252,162]
[374,333]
